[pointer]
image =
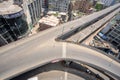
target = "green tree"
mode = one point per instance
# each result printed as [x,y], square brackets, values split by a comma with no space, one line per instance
[99,6]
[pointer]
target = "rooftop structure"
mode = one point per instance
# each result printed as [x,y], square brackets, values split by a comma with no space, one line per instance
[7,7]
[48,21]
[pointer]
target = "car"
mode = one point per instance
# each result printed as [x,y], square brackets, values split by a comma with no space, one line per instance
[100,34]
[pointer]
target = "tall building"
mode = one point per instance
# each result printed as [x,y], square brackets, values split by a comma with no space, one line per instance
[59,5]
[13,24]
[112,31]
[108,2]
[114,36]
[45,3]
[32,9]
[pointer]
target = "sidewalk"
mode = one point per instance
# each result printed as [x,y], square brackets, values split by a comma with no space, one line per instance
[34,30]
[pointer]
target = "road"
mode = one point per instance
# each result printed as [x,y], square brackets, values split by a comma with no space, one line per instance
[90,38]
[56,71]
[82,35]
[40,49]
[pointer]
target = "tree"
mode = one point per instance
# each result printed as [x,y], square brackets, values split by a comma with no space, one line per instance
[99,6]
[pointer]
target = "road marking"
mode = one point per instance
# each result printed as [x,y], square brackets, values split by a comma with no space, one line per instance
[64,50]
[66,76]
[33,78]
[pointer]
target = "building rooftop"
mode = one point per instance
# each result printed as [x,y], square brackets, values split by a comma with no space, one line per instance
[7,7]
[50,20]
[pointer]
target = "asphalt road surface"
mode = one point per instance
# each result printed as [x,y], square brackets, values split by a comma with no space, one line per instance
[29,53]
[54,71]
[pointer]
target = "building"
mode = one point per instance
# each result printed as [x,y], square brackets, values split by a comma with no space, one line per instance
[47,22]
[114,37]
[93,2]
[13,24]
[59,5]
[81,5]
[32,9]
[61,15]
[44,7]
[19,2]
[112,31]
[107,2]
[45,4]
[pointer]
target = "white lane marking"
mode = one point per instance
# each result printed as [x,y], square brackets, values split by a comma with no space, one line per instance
[64,50]
[66,76]
[33,78]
